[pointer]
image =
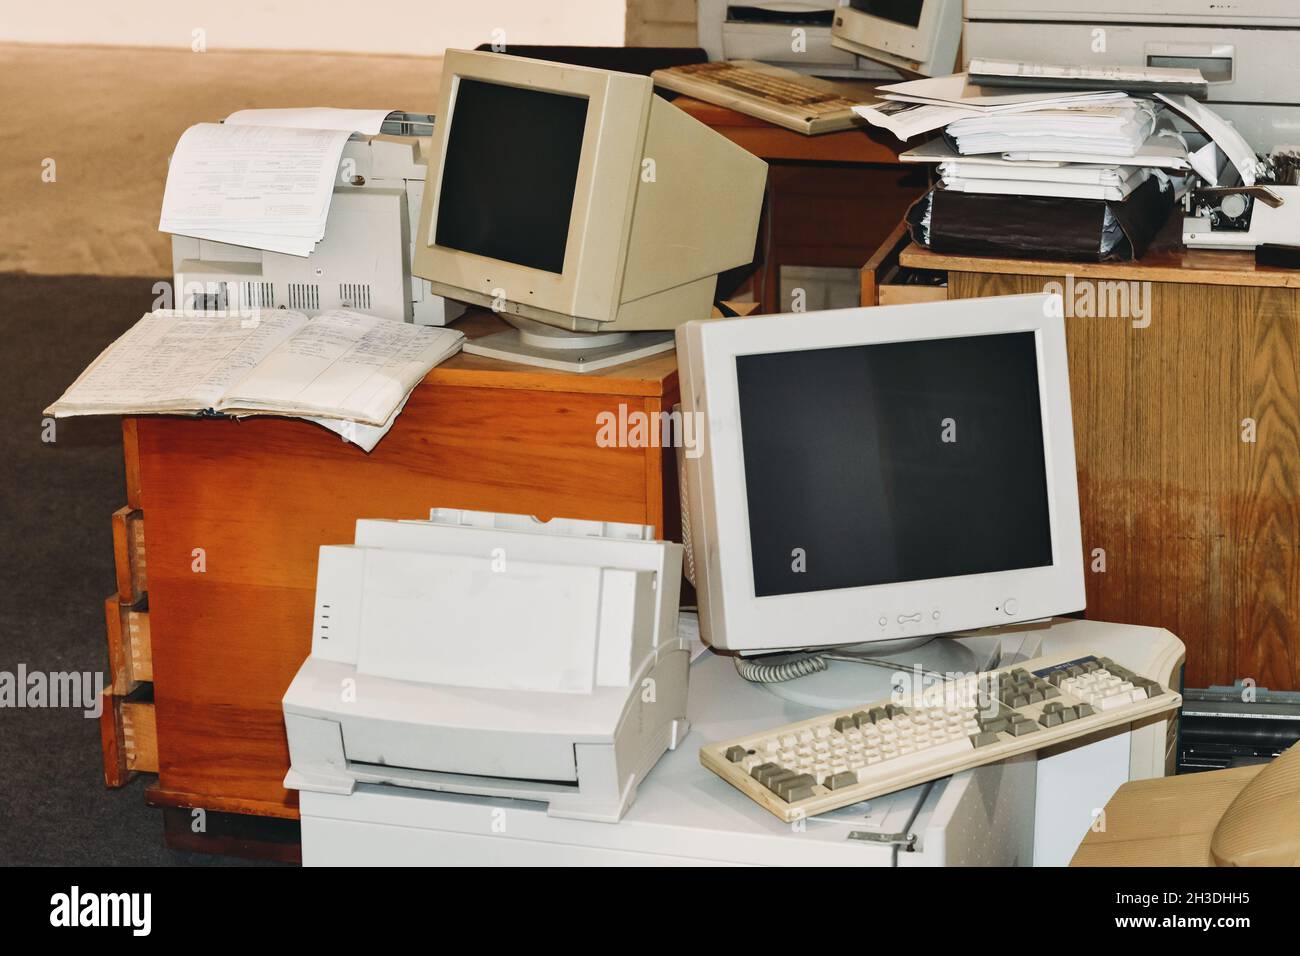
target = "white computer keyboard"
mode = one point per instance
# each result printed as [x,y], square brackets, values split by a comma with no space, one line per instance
[951,725]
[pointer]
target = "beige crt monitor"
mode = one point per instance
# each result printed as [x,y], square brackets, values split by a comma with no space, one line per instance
[584,209]
[917,36]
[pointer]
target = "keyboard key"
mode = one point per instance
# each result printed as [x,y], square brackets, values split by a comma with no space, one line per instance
[796,787]
[844,779]
[736,754]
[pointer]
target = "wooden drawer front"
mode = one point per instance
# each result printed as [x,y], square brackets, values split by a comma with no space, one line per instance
[130,653]
[238,512]
[129,735]
[911,294]
[886,282]
[128,554]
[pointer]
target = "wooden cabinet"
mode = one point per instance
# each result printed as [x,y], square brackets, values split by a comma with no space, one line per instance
[236,511]
[1187,436]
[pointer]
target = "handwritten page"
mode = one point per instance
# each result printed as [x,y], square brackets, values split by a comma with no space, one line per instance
[345,364]
[348,371]
[169,361]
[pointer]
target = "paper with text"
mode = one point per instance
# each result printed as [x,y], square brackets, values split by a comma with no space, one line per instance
[253,185]
[368,122]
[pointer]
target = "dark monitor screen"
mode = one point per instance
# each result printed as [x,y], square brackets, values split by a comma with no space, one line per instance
[906,12]
[905,461]
[509,172]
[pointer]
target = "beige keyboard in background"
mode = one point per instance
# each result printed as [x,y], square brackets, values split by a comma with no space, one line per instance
[847,756]
[802,103]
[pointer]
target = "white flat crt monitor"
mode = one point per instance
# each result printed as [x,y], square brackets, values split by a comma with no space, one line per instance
[880,474]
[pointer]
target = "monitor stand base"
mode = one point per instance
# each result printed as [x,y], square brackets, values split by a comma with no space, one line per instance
[872,677]
[565,351]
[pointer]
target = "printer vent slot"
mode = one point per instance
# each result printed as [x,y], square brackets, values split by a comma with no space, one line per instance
[303,295]
[257,295]
[211,299]
[354,295]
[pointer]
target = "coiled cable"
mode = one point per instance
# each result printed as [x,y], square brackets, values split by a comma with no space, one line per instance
[779,673]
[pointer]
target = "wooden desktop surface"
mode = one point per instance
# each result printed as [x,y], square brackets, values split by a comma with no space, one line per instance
[1187,441]
[645,377]
[1168,260]
[769,141]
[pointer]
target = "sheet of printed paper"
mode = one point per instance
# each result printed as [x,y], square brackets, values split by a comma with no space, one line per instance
[1239,152]
[957,90]
[368,122]
[236,183]
[365,437]
[906,120]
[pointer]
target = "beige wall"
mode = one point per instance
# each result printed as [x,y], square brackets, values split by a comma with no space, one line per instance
[421,27]
[661,23]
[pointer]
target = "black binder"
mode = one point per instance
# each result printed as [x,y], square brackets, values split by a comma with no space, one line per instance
[1041,227]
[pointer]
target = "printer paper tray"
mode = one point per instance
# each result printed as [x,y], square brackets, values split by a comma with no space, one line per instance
[459,782]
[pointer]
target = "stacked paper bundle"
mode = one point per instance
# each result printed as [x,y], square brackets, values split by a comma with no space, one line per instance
[263,178]
[1003,136]
[1099,144]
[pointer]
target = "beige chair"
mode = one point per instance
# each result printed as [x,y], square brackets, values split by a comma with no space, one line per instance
[1247,816]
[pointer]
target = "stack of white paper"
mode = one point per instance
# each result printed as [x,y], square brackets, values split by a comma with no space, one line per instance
[1085,144]
[1113,129]
[919,106]
[264,178]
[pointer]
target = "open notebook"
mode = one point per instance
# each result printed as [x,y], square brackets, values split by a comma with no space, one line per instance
[346,370]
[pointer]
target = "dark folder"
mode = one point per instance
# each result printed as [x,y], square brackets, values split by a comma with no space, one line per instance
[1040,227]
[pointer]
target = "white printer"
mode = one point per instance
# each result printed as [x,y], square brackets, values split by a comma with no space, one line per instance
[494,655]
[1245,50]
[364,260]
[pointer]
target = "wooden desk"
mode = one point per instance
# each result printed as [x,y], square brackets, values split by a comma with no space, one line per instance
[1201,529]
[255,499]
[832,199]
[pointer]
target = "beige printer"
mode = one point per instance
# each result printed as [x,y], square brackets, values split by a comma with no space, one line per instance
[1245,50]
[364,260]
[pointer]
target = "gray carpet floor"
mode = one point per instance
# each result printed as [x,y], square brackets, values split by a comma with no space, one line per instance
[56,568]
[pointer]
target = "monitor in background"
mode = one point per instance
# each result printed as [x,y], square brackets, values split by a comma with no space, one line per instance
[880,475]
[919,36]
[582,208]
